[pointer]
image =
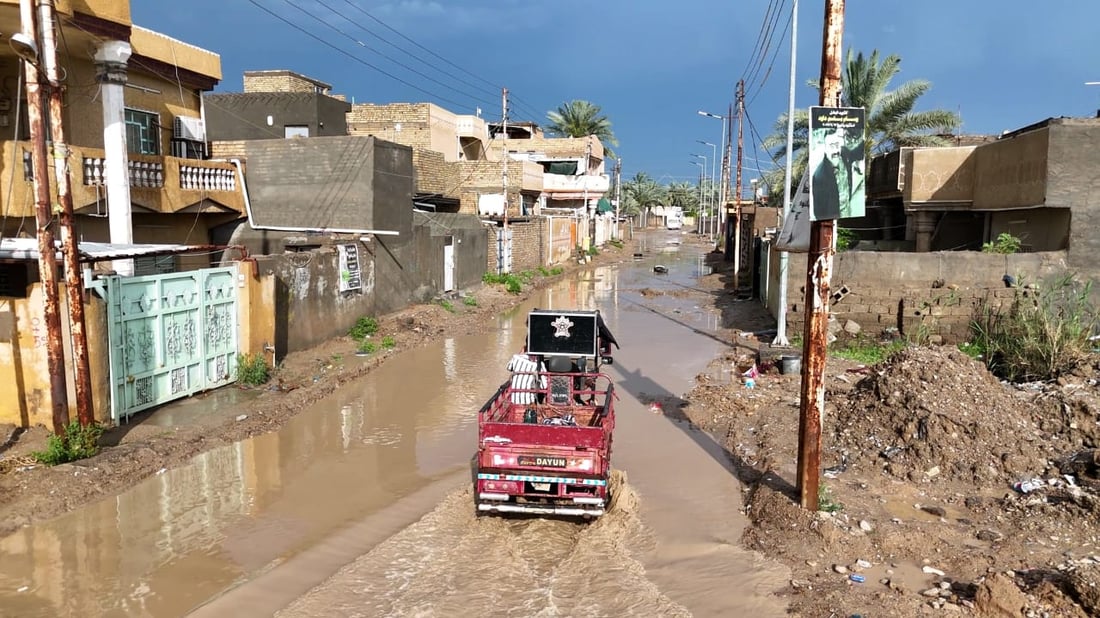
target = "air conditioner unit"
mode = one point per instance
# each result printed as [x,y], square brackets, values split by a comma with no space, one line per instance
[189,128]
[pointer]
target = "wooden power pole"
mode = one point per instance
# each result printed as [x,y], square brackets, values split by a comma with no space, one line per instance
[74,284]
[737,188]
[819,273]
[43,214]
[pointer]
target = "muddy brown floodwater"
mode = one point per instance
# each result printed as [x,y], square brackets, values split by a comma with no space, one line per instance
[360,506]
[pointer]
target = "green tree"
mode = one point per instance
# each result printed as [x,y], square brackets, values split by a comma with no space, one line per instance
[643,192]
[891,119]
[580,118]
[683,194]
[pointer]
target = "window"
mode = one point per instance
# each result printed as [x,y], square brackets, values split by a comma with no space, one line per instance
[295,130]
[142,132]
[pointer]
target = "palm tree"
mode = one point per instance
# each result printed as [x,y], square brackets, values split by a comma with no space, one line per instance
[891,122]
[643,192]
[579,118]
[683,194]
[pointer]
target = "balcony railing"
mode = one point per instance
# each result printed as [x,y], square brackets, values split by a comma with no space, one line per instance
[561,182]
[145,174]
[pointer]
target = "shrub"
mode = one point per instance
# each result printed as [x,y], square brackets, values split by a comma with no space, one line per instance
[510,281]
[448,305]
[78,442]
[388,342]
[366,347]
[845,239]
[364,327]
[470,301]
[1042,334]
[1005,243]
[252,369]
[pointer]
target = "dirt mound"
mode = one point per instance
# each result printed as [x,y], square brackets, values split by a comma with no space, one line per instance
[929,412]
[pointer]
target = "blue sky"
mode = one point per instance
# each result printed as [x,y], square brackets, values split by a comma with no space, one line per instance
[652,65]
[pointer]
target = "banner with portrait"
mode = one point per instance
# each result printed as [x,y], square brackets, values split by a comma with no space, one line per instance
[837,163]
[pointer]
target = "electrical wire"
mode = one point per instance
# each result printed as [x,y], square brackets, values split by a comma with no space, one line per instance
[759,39]
[473,97]
[350,55]
[429,51]
[751,80]
[771,63]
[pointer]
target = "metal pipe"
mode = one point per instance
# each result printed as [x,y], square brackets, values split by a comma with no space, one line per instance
[74,285]
[47,257]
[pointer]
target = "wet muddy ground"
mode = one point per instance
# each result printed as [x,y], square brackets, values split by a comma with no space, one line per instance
[371,454]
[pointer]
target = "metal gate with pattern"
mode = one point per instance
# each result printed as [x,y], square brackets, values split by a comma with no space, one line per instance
[171,336]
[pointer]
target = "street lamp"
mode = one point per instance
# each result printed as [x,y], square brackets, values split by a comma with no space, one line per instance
[713,172]
[702,172]
[704,199]
[725,180]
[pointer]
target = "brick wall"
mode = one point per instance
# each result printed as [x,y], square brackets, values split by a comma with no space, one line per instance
[435,175]
[918,294]
[562,147]
[281,81]
[382,121]
[228,149]
[487,175]
[526,245]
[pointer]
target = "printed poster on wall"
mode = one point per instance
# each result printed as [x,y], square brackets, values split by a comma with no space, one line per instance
[837,160]
[351,278]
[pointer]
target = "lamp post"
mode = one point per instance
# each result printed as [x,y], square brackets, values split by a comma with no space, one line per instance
[713,171]
[723,185]
[702,172]
[704,198]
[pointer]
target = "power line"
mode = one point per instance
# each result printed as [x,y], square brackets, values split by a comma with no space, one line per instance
[759,40]
[771,64]
[496,87]
[766,47]
[350,55]
[474,97]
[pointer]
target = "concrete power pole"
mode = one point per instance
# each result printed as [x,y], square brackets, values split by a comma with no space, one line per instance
[74,284]
[618,195]
[819,273]
[737,188]
[47,256]
[504,244]
[727,154]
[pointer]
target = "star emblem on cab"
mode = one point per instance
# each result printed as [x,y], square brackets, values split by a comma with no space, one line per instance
[561,326]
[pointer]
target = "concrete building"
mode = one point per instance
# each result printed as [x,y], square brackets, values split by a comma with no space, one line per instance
[1037,183]
[276,105]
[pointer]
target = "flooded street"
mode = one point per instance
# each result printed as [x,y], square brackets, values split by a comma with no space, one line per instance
[360,506]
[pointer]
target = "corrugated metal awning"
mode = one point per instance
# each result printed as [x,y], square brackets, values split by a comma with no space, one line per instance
[27,249]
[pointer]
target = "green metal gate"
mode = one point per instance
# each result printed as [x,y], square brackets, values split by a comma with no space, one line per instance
[171,336]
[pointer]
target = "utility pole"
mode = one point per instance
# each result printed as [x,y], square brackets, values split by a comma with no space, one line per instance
[74,284]
[819,273]
[504,244]
[784,257]
[737,188]
[618,194]
[589,212]
[47,257]
[727,142]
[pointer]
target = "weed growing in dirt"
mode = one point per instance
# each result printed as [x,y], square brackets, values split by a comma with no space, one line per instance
[1042,334]
[550,272]
[826,502]
[593,251]
[366,347]
[448,305]
[78,442]
[510,281]
[388,343]
[867,351]
[469,301]
[252,369]
[972,349]
[618,244]
[364,327]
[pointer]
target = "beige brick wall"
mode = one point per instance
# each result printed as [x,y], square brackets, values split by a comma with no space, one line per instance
[382,121]
[526,245]
[487,175]
[228,149]
[435,175]
[281,81]
[563,147]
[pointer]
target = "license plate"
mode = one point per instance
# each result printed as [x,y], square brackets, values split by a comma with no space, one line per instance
[544,461]
[541,486]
